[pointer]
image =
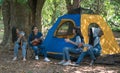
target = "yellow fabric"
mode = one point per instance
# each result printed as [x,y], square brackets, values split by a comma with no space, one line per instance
[107,41]
[60,24]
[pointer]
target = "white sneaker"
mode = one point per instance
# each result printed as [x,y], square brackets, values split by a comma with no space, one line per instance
[24,59]
[75,64]
[36,58]
[15,58]
[61,62]
[67,63]
[47,60]
[92,62]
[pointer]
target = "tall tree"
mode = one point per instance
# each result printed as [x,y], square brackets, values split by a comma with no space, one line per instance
[36,10]
[14,14]
[18,13]
[72,4]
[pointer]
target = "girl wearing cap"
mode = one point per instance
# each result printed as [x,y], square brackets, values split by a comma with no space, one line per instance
[78,38]
[19,40]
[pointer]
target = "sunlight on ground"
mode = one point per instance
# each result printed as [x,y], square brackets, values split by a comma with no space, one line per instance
[90,69]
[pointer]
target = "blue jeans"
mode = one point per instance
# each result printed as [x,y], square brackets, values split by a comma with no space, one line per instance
[17,46]
[67,50]
[38,49]
[91,51]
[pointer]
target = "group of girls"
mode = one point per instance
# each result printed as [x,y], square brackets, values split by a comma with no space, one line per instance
[93,48]
[35,42]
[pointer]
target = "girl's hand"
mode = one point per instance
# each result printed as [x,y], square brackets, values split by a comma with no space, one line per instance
[80,45]
[20,36]
[35,39]
[67,40]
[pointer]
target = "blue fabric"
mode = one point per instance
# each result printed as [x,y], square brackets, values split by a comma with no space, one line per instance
[32,37]
[75,49]
[40,48]
[23,47]
[92,51]
[54,44]
[67,50]
[36,50]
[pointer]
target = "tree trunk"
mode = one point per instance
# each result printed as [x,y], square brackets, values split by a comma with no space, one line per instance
[70,5]
[39,7]
[36,9]
[14,14]
[32,4]
[6,21]
[19,15]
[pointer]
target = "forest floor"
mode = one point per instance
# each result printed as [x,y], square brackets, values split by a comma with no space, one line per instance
[33,66]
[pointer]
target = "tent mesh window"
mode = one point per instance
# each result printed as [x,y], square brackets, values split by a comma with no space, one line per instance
[65,29]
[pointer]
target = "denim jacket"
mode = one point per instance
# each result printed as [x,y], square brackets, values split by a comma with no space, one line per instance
[32,37]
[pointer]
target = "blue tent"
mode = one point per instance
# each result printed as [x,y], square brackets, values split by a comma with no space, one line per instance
[54,40]
[55,44]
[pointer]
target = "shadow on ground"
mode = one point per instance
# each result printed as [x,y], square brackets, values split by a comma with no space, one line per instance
[32,66]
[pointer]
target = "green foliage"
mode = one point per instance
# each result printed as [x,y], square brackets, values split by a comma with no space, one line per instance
[52,10]
[1,1]
[116,29]
[109,9]
[113,12]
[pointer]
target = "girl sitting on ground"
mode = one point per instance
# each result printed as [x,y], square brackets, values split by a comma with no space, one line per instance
[78,38]
[93,48]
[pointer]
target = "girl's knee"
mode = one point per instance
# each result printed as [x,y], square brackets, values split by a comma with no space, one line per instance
[35,48]
[16,45]
[66,48]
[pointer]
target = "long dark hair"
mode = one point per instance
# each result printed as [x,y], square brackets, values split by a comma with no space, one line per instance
[33,35]
[33,29]
[91,39]
[14,34]
[78,32]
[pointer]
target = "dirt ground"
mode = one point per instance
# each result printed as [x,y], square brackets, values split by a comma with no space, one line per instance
[33,66]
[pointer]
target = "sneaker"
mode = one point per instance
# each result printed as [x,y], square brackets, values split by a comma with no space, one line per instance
[15,58]
[61,62]
[67,63]
[36,58]
[47,60]
[75,64]
[92,62]
[24,59]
